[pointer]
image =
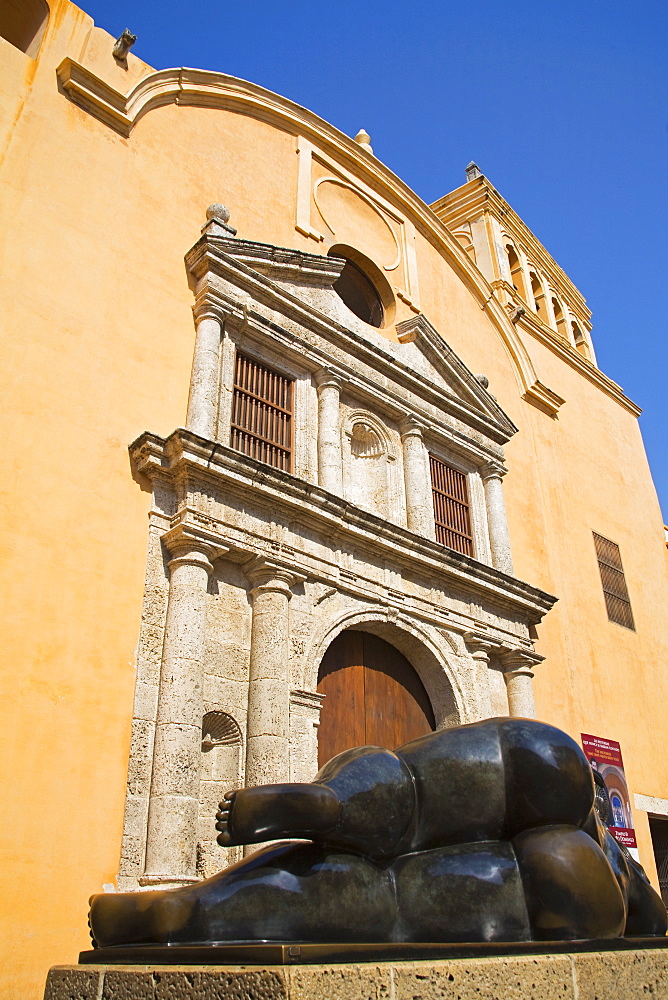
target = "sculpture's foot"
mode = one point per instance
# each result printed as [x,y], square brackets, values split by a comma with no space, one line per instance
[253,815]
[285,893]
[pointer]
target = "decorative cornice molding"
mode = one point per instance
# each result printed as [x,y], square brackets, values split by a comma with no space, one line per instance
[567,353]
[276,263]
[205,461]
[479,646]
[544,398]
[514,660]
[311,700]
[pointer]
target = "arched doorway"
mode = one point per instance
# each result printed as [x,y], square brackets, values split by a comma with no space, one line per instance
[373,696]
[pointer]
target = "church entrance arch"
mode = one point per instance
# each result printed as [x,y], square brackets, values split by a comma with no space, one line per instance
[372,696]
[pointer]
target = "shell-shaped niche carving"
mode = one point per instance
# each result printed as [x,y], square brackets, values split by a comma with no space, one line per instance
[219,730]
[364,442]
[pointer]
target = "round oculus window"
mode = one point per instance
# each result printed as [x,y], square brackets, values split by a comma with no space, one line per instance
[359,293]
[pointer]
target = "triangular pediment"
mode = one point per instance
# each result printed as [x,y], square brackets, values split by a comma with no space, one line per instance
[283,278]
[448,367]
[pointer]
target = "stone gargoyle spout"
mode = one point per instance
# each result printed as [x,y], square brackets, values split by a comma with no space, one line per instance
[482,832]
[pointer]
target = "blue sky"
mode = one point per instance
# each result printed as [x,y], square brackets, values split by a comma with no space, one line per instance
[563,106]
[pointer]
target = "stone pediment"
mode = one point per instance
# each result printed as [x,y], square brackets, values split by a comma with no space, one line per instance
[299,286]
[449,367]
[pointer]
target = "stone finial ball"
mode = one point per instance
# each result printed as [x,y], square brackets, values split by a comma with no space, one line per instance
[219,212]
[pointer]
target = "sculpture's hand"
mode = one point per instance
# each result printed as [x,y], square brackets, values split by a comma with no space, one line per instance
[225,838]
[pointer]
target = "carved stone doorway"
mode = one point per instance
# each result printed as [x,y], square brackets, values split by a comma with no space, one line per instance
[373,696]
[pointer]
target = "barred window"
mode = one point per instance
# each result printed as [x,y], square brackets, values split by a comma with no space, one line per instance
[262,413]
[452,513]
[615,592]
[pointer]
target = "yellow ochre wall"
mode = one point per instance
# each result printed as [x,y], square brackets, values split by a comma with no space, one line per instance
[98,341]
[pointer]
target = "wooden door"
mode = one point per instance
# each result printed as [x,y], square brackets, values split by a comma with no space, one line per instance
[373,696]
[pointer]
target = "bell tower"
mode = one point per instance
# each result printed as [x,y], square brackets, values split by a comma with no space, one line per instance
[528,282]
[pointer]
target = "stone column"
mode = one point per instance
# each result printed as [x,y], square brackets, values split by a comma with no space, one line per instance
[330,474]
[499,540]
[550,318]
[173,805]
[417,480]
[205,378]
[268,731]
[518,674]
[479,648]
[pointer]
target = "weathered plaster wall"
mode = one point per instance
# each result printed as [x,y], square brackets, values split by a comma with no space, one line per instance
[98,347]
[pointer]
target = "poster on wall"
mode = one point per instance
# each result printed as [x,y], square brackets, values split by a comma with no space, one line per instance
[605,756]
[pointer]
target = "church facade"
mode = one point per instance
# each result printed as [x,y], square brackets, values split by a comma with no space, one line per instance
[295,462]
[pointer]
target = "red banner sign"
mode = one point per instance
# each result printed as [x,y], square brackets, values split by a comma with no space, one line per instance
[605,756]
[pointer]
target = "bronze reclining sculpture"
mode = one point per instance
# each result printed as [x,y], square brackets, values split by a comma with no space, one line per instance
[482,832]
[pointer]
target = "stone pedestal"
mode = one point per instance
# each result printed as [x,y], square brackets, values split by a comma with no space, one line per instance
[605,975]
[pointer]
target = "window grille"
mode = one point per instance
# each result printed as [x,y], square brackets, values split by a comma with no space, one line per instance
[262,413]
[452,513]
[615,592]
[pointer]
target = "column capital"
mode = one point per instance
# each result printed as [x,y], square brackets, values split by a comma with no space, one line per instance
[326,378]
[189,544]
[479,646]
[519,660]
[205,310]
[266,575]
[411,426]
[492,469]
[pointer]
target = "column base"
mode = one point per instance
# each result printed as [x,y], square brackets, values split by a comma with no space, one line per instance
[149,881]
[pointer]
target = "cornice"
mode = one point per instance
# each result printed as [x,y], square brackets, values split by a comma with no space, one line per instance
[530,323]
[276,263]
[202,88]
[475,197]
[186,454]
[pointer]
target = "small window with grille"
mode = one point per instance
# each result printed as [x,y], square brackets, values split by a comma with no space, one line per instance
[615,592]
[262,408]
[452,512]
